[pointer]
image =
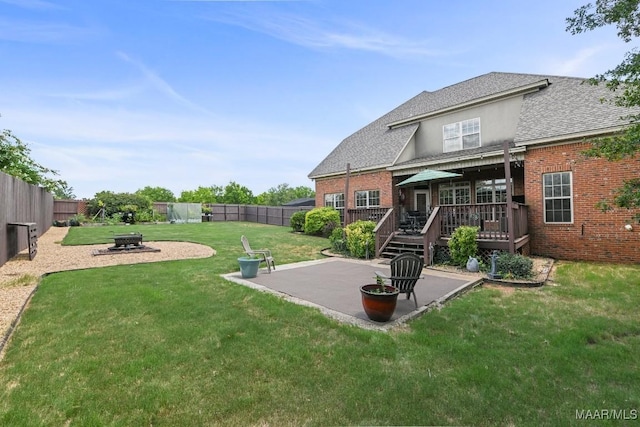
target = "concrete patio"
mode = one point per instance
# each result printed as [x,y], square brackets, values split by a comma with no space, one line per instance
[332,286]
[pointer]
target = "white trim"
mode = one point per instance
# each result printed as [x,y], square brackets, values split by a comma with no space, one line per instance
[544,199]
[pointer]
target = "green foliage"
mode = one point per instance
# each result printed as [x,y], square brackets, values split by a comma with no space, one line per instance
[361,239]
[514,265]
[338,242]
[213,194]
[77,220]
[116,203]
[441,255]
[623,81]
[147,215]
[297,221]
[463,244]
[278,196]
[236,194]
[321,221]
[156,194]
[15,160]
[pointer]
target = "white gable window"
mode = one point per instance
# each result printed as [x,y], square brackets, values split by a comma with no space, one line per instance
[368,199]
[461,135]
[558,197]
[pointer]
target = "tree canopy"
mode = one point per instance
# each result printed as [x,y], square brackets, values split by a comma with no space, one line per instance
[156,194]
[15,160]
[283,193]
[623,81]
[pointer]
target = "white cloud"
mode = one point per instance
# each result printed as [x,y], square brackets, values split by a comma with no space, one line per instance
[312,34]
[44,32]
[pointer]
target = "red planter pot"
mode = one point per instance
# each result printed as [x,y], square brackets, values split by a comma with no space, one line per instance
[379,306]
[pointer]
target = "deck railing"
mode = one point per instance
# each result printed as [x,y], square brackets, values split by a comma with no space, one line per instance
[491,219]
[366,214]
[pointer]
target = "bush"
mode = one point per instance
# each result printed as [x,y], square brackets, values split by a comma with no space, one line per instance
[77,220]
[297,221]
[514,266]
[338,242]
[321,221]
[129,213]
[146,215]
[114,204]
[463,244]
[361,239]
[441,255]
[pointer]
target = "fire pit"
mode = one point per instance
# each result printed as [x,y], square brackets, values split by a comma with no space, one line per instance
[125,241]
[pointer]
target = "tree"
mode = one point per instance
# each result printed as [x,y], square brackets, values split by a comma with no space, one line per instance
[235,193]
[156,194]
[623,81]
[211,194]
[277,196]
[15,160]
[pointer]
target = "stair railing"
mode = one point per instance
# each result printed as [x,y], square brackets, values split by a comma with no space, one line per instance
[384,231]
[431,233]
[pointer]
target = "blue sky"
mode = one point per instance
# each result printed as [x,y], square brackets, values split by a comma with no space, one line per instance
[122,94]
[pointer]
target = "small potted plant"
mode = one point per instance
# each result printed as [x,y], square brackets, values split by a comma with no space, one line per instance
[249,266]
[379,300]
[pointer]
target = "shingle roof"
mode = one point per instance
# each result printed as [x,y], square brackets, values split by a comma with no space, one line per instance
[565,107]
[568,106]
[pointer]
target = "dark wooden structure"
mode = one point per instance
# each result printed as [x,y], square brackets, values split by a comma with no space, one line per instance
[32,236]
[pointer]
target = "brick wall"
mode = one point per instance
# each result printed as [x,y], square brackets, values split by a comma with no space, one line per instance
[379,180]
[593,235]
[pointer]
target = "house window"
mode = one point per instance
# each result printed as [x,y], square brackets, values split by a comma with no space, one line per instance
[458,193]
[491,191]
[335,200]
[461,135]
[558,199]
[368,199]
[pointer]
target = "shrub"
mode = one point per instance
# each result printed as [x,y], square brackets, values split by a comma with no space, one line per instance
[129,213]
[321,221]
[361,239]
[441,255]
[77,220]
[463,244]
[297,221]
[146,215]
[114,203]
[338,242]
[514,265]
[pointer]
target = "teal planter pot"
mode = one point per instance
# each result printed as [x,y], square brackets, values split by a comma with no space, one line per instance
[249,267]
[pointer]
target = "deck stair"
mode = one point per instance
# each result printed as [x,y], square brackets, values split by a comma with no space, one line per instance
[403,243]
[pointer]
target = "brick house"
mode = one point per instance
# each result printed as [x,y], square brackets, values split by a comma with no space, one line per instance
[501,151]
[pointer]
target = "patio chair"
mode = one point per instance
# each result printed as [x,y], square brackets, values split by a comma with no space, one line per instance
[263,254]
[406,269]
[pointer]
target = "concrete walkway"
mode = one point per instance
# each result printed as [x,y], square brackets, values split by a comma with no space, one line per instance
[332,285]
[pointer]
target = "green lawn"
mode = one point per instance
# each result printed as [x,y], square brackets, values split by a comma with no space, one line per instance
[174,344]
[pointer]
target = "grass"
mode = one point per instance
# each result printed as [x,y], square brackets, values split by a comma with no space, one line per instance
[173,344]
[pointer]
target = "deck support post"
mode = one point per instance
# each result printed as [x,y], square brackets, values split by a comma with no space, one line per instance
[507,177]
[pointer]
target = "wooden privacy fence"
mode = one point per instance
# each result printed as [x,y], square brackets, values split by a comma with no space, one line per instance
[24,204]
[272,215]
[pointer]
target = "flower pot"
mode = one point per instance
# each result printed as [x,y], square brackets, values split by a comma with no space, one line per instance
[249,267]
[379,306]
